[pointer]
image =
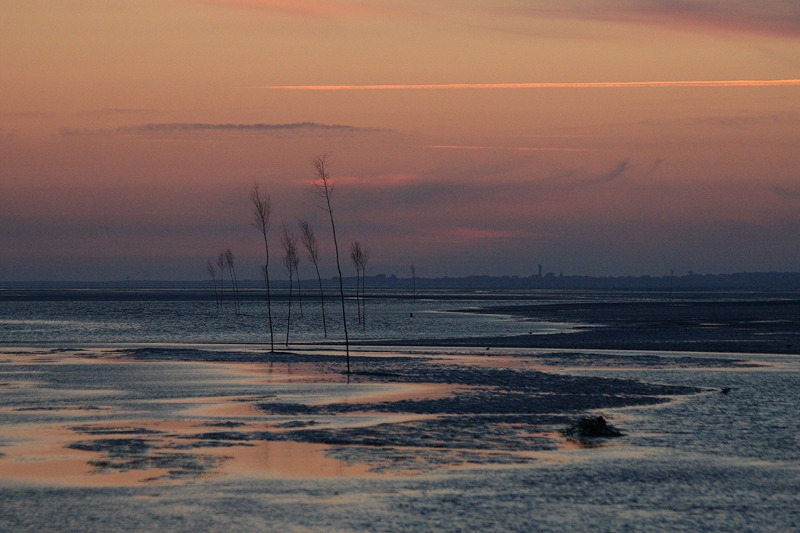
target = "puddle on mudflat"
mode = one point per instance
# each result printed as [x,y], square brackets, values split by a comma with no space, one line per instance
[197,438]
[176,422]
[148,452]
[288,459]
[176,451]
[40,455]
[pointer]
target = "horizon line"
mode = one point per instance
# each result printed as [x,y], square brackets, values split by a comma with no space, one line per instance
[539,85]
[4,284]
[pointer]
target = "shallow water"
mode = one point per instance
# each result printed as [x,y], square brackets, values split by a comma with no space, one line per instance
[213,438]
[756,420]
[188,321]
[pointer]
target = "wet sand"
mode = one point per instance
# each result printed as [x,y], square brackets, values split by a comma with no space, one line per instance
[453,439]
[94,437]
[714,322]
[61,454]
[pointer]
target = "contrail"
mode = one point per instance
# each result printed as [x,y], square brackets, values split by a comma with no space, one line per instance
[520,149]
[555,85]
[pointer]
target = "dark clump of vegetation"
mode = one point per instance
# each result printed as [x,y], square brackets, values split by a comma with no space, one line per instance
[592,426]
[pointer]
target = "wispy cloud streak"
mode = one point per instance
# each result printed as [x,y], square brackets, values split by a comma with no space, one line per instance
[511,148]
[171,128]
[540,85]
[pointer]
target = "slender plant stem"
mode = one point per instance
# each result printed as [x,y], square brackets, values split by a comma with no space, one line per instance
[321,301]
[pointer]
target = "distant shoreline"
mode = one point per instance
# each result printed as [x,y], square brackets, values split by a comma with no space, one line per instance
[737,281]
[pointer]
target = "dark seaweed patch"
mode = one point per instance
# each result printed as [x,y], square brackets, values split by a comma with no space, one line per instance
[125,455]
[113,447]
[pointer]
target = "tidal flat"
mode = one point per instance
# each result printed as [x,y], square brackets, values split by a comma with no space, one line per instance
[167,436]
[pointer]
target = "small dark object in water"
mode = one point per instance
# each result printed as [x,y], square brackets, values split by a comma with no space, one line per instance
[726,390]
[592,426]
[411,315]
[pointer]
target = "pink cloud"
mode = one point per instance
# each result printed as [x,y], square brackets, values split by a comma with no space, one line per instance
[461,235]
[772,17]
[377,182]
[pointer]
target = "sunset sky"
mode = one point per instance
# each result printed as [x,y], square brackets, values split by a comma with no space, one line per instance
[466,137]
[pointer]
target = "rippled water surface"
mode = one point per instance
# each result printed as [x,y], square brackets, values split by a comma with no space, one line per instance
[191,321]
[106,425]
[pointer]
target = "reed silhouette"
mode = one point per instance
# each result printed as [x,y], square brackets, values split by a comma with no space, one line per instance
[261,221]
[323,187]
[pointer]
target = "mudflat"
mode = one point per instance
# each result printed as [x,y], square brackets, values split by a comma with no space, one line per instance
[461,413]
[703,323]
[174,438]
